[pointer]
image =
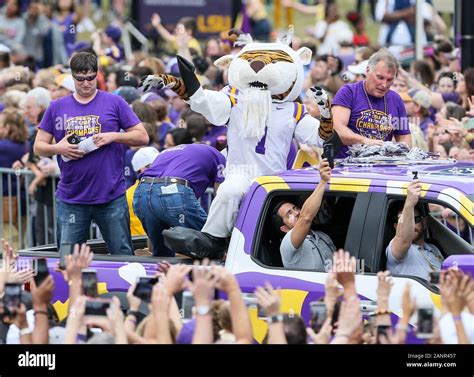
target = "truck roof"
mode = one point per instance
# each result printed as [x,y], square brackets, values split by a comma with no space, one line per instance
[458,175]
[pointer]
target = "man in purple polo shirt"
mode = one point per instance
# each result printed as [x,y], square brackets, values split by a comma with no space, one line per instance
[368,112]
[169,189]
[91,185]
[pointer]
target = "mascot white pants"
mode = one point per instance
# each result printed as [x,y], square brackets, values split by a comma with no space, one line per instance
[225,206]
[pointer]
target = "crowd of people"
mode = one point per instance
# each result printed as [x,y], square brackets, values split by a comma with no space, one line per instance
[143,158]
[223,321]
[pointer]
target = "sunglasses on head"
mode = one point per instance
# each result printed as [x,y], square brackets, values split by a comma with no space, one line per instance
[81,79]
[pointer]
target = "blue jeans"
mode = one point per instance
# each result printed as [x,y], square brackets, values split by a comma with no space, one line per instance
[158,211]
[113,220]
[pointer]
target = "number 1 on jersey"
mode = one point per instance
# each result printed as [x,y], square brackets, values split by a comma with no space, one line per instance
[260,148]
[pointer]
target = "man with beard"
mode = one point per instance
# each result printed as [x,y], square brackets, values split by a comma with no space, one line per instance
[262,118]
[408,253]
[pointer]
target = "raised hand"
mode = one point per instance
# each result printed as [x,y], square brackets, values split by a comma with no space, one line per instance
[153,81]
[322,100]
[268,299]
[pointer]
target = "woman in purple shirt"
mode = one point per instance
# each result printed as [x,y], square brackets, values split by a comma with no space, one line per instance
[13,145]
[67,20]
[368,112]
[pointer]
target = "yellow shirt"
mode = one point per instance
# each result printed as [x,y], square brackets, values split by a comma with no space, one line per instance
[136,227]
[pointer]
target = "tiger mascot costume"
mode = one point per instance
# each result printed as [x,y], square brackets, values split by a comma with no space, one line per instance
[259,109]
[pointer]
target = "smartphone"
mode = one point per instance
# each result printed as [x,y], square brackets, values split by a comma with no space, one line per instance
[97,307]
[73,139]
[328,149]
[425,323]
[65,249]
[89,282]
[41,270]
[12,296]
[144,288]
[383,331]
[187,304]
[317,311]
[434,277]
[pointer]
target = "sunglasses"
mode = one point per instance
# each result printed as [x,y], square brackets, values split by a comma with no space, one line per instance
[81,79]
[417,218]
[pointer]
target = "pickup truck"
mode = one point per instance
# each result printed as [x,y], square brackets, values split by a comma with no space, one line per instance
[355,213]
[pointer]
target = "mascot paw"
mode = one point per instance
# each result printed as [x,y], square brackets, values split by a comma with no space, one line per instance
[322,100]
[153,81]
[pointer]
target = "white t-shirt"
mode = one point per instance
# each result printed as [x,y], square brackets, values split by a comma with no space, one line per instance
[417,261]
[401,35]
[337,32]
[448,329]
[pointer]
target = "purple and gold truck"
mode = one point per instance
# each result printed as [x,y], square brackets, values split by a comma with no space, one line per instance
[355,213]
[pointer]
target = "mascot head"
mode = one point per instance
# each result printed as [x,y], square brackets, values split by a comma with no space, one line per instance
[275,67]
[265,73]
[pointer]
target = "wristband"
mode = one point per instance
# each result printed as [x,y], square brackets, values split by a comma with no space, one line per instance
[380,312]
[41,312]
[131,318]
[275,319]
[25,331]
[457,318]
[81,338]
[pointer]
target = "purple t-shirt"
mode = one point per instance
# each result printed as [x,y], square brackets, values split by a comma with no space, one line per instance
[10,152]
[200,164]
[368,123]
[451,97]
[96,178]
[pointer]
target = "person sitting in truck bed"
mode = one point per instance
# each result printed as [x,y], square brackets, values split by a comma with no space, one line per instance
[303,247]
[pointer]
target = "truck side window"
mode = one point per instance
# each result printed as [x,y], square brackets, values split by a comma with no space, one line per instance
[333,219]
[450,237]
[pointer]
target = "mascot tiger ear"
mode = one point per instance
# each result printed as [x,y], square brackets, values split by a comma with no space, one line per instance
[305,55]
[225,61]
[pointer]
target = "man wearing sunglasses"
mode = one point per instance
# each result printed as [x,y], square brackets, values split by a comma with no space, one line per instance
[92,186]
[408,253]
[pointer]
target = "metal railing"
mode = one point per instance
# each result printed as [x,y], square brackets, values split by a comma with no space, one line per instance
[18,209]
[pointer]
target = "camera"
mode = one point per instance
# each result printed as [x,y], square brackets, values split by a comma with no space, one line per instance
[97,307]
[328,149]
[383,331]
[187,304]
[64,249]
[73,139]
[318,315]
[12,297]
[42,271]
[425,323]
[144,288]
[89,282]
[434,277]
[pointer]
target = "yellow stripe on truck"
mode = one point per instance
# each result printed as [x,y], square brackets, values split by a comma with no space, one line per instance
[272,182]
[349,184]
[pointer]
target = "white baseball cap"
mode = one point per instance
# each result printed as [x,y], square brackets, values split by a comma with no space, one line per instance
[143,157]
[358,69]
[66,81]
